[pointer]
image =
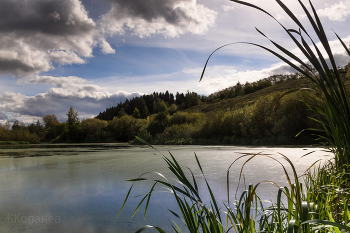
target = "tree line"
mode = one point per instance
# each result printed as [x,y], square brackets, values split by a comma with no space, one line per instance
[247,88]
[159,118]
[146,105]
[256,124]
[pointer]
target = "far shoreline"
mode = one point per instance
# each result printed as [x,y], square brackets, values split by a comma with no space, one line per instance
[16,150]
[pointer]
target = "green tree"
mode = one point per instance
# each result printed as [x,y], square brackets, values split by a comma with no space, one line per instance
[159,106]
[125,128]
[136,113]
[158,124]
[231,93]
[248,88]
[37,129]
[122,112]
[172,109]
[72,115]
[192,99]
[145,112]
[50,120]
[92,126]
[239,89]
[17,125]
[348,72]
[73,130]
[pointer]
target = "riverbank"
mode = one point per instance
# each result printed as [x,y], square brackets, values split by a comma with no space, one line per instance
[50,149]
[14,143]
[232,141]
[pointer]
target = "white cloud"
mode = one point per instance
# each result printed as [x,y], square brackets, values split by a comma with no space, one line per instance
[63,57]
[86,98]
[89,98]
[56,81]
[219,77]
[65,34]
[227,8]
[169,18]
[216,77]
[279,17]
[336,12]
[106,47]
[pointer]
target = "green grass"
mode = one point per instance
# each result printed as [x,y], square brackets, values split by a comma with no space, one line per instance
[249,99]
[328,191]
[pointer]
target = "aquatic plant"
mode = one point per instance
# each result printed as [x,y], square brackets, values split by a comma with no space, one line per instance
[303,210]
[248,213]
[334,106]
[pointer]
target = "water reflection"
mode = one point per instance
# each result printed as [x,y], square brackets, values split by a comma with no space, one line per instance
[85,191]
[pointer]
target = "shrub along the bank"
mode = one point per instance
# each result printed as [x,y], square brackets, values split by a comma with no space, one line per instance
[17,133]
[125,128]
[258,124]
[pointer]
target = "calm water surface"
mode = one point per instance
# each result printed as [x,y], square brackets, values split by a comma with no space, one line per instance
[81,188]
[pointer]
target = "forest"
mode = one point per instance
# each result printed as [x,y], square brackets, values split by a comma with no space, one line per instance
[165,118]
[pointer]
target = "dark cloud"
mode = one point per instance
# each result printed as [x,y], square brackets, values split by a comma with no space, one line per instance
[19,68]
[47,17]
[154,9]
[341,59]
[3,116]
[34,34]
[166,17]
[284,69]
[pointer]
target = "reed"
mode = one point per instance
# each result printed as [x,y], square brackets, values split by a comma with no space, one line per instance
[328,192]
[195,213]
[301,212]
[324,205]
[334,106]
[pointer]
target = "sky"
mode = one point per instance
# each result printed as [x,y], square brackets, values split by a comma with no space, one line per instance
[92,54]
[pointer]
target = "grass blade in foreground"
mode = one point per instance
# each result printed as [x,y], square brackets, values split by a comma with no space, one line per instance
[335,106]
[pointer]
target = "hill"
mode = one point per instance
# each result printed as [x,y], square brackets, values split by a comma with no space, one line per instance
[237,115]
[249,99]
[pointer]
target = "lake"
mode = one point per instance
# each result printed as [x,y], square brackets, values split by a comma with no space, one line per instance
[81,187]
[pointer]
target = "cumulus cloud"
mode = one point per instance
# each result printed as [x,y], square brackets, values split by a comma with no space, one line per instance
[227,8]
[3,116]
[336,12]
[34,34]
[169,18]
[56,81]
[86,98]
[219,77]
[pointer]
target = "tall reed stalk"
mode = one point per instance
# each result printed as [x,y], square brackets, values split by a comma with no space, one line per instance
[310,211]
[334,106]
[247,213]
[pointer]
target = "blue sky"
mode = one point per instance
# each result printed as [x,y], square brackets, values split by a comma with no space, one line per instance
[92,54]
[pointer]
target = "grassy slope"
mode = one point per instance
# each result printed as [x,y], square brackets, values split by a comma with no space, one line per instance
[241,101]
